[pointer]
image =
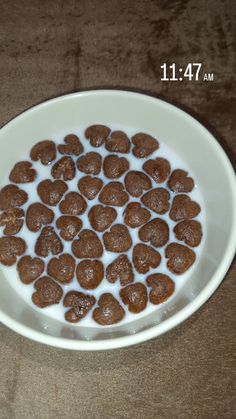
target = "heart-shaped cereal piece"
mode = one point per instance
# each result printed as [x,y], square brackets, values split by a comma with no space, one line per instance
[113,194]
[48,292]
[90,186]
[51,192]
[69,226]
[135,215]
[190,231]
[90,163]
[48,242]
[120,270]
[157,200]
[109,310]
[135,297]
[118,142]
[23,172]
[62,268]
[72,146]
[87,246]
[97,134]
[90,274]
[13,221]
[38,215]
[156,232]
[144,145]
[145,258]
[80,304]
[158,169]
[45,151]
[29,269]
[179,181]
[162,287]
[181,258]
[118,239]
[101,217]
[183,208]
[137,182]
[64,168]
[73,204]
[11,196]
[10,248]
[115,166]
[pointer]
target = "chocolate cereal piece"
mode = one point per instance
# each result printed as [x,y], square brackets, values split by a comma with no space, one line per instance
[120,270]
[181,258]
[38,215]
[156,232]
[135,297]
[113,194]
[101,217]
[62,268]
[45,151]
[162,287]
[80,304]
[158,169]
[13,221]
[137,182]
[183,208]
[118,142]
[115,166]
[90,274]
[109,311]
[47,293]
[87,246]
[64,168]
[48,242]
[118,239]
[72,146]
[23,172]
[69,226]
[90,163]
[10,248]
[51,192]
[30,269]
[157,200]
[179,181]
[73,204]
[90,186]
[97,134]
[145,258]
[135,215]
[144,145]
[190,231]
[11,196]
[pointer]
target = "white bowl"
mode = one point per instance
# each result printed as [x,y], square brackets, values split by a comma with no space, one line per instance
[212,172]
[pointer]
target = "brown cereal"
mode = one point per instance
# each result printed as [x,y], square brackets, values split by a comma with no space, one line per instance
[90,274]
[109,311]
[115,166]
[80,304]
[190,231]
[135,297]
[10,248]
[184,208]
[144,145]
[90,186]
[157,200]
[113,194]
[162,287]
[120,270]
[45,151]
[38,215]
[101,217]
[88,246]
[23,172]
[62,268]
[137,182]
[117,239]
[145,257]
[179,181]
[69,226]
[48,292]
[181,258]
[51,192]
[48,242]
[11,196]
[30,269]
[158,169]
[72,146]
[118,142]
[97,134]
[64,168]
[135,215]
[90,163]
[73,204]
[156,232]
[13,221]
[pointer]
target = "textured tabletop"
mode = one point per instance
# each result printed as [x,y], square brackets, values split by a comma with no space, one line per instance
[48,48]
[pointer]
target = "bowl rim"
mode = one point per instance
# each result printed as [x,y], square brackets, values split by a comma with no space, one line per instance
[191,307]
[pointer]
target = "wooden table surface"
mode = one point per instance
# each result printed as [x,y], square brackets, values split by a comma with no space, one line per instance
[50,48]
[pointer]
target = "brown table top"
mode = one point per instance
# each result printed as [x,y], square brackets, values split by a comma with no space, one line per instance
[55,47]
